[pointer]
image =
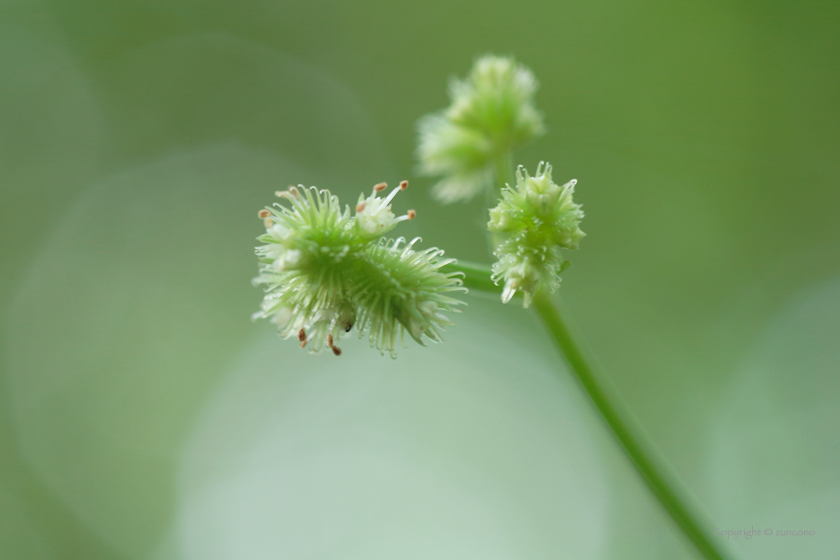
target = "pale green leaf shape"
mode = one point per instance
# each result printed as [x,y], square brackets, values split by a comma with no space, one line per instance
[126,315]
[470,449]
[132,308]
[775,461]
[474,449]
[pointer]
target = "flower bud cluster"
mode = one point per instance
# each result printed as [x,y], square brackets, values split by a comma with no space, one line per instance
[492,112]
[537,218]
[326,271]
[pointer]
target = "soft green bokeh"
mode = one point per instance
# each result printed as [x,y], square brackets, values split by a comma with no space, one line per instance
[143,416]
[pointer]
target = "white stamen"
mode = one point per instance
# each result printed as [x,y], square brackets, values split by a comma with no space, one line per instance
[391,196]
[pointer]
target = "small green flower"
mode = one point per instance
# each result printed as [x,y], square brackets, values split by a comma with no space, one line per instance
[326,271]
[492,112]
[373,214]
[538,218]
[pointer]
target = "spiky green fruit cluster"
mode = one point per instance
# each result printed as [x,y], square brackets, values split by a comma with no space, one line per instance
[537,218]
[327,271]
[492,112]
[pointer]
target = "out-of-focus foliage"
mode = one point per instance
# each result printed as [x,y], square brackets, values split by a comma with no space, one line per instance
[144,416]
[492,112]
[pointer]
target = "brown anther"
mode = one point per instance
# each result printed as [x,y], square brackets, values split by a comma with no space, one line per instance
[329,340]
[360,206]
[302,335]
[280,194]
[263,213]
[336,350]
[268,223]
[403,185]
[380,187]
[303,344]
[411,214]
[347,326]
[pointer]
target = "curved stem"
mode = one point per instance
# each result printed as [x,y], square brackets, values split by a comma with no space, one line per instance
[503,172]
[630,436]
[476,276]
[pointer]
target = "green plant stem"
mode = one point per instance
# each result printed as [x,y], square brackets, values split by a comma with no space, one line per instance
[502,172]
[631,438]
[476,276]
[629,435]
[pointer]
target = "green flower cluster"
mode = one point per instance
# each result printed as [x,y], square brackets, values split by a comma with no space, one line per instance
[538,218]
[492,112]
[326,271]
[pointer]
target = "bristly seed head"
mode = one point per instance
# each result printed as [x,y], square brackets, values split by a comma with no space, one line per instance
[327,270]
[538,218]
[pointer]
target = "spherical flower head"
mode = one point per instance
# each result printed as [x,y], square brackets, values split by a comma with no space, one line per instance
[492,112]
[497,99]
[326,272]
[305,247]
[538,218]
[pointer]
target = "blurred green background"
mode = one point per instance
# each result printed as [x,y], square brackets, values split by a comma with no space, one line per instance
[143,416]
